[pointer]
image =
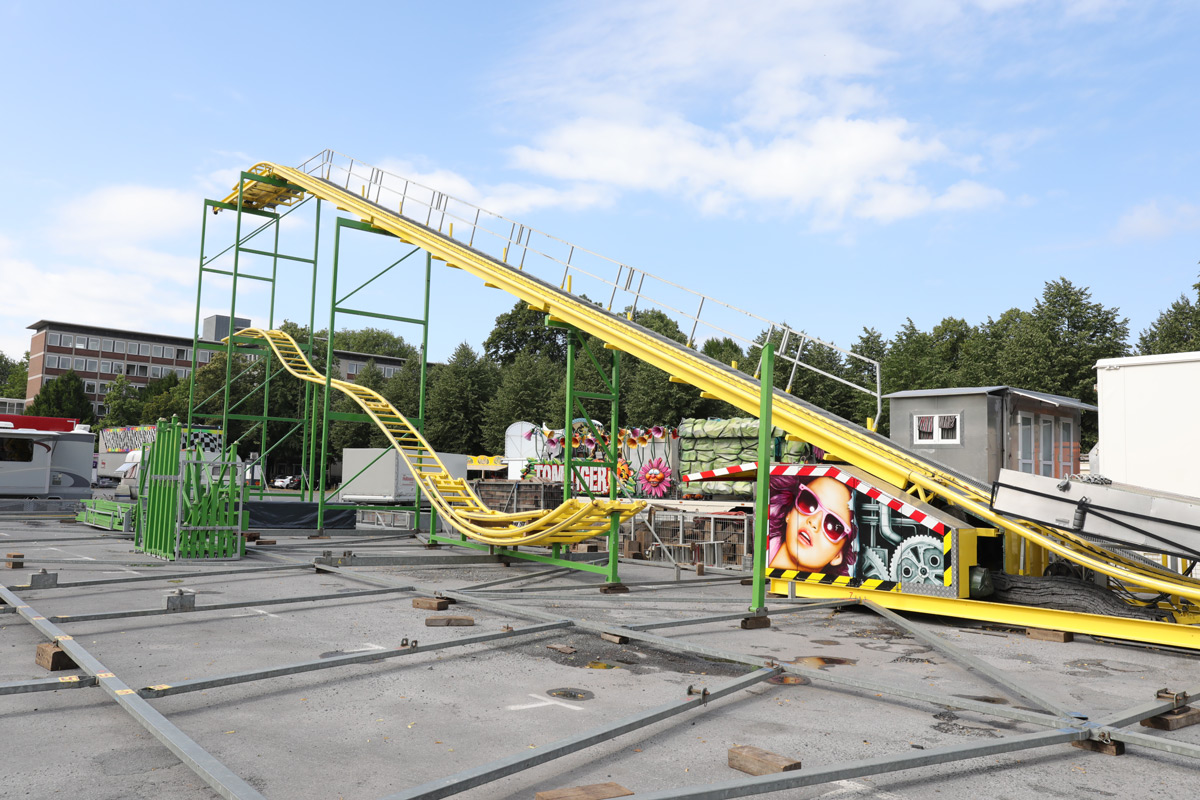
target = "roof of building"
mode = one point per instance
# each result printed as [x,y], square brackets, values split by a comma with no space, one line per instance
[100,329]
[1044,397]
[1144,361]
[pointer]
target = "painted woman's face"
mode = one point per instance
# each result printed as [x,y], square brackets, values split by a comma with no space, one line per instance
[819,524]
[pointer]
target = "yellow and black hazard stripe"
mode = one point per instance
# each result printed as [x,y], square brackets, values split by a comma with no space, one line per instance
[948,560]
[834,580]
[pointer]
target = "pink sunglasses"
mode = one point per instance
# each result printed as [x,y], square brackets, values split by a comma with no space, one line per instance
[835,528]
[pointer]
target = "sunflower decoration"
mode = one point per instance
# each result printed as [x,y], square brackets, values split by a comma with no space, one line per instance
[623,470]
[654,478]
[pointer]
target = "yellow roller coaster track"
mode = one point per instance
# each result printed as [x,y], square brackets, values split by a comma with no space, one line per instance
[843,440]
[573,521]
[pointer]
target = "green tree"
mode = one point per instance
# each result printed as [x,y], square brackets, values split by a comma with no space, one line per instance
[124,402]
[343,433]
[14,376]
[372,341]
[728,353]
[648,397]
[529,389]
[63,397]
[1176,330]
[524,330]
[457,402]
[872,345]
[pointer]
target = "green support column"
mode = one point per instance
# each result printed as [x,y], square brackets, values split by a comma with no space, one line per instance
[614,455]
[566,444]
[762,488]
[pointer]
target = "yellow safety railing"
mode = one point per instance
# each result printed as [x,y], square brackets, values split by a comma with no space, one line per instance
[573,521]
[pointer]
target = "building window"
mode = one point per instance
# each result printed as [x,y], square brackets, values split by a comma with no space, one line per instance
[169,352]
[93,344]
[389,372]
[118,368]
[186,353]
[1066,447]
[105,367]
[181,372]
[101,410]
[89,387]
[103,388]
[141,370]
[143,349]
[156,372]
[53,339]
[106,345]
[936,428]
[52,362]
[1025,444]
[79,362]
[205,355]
[156,351]
[118,347]
[91,365]
[1046,447]
[67,341]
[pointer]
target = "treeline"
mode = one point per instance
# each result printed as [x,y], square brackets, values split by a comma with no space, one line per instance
[519,374]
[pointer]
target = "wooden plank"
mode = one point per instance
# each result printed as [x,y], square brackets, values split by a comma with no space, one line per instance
[442,622]
[1049,635]
[431,603]
[1107,748]
[15,564]
[1181,717]
[52,657]
[565,649]
[615,638]
[756,761]
[753,623]
[594,791]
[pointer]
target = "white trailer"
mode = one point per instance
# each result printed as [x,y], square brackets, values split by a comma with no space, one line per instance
[385,478]
[1148,435]
[50,464]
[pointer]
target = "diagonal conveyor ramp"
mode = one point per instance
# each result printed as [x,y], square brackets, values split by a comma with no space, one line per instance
[285,185]
[573,521]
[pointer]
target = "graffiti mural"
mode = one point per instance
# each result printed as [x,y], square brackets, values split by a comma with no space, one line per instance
[644,463]
[133,437]
[828,525]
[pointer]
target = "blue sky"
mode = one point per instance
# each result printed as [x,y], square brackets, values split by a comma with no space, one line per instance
[833,164]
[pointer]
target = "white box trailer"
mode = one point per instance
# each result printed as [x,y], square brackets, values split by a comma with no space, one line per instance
[385,479]
[1148,435]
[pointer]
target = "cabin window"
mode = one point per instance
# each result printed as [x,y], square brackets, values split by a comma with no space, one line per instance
[1025,444]
[16,450]
[936,428]
[1046,447]
[1066,447]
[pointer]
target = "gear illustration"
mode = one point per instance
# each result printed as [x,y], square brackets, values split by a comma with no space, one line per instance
[919,559]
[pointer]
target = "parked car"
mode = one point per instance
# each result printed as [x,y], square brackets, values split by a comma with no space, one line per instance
[293,482]
[283,480]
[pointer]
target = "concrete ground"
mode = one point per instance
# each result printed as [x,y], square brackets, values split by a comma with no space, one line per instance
[371,730]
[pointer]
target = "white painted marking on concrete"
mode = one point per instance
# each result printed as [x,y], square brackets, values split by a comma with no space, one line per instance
[545,701]
[251,612]
[854,788]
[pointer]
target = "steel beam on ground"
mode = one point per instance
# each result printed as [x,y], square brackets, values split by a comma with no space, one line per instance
[156,612]
[486,773]
[170,576]
[1139,739]
[593,586]
[964,659]
[679,623]
[435,560]
[129,562]
[48,684]
[545,573]
[782,781]
[200,684]
[1148,709]
[220,778]
[1018,714]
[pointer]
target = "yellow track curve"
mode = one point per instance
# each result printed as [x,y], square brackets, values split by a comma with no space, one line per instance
[841,439]
[573,521]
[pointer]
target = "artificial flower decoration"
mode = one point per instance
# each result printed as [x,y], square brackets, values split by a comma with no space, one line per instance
[654,478]
[674,433]
[657,432]
[643,440]
[575,440]
[623,470]
[632,442]
[590,443]
[529,435]
[636,432]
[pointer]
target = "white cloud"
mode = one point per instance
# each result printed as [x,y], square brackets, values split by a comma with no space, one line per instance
[1149,221]
[779,104]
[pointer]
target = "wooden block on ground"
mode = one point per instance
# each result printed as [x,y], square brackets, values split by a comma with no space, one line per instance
[316,536]
[584,547]
[1181,717]
[565,649]
[756,761]
[15,564]
[753,623]
[431,603]
[442,622]
[1096,746]
[52,657]
[261,542]
[594,791]
[251,536]
[1049,635]
[746,582]
[615,638]
[614,588]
